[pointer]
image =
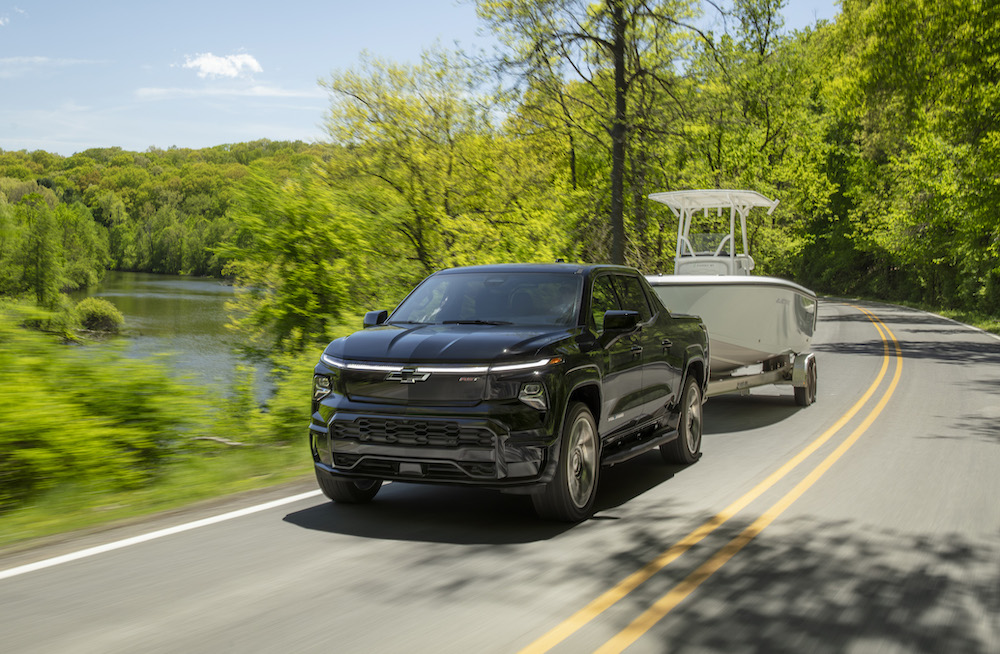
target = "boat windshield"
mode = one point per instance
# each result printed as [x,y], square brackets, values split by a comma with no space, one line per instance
[709,244]
[490,298]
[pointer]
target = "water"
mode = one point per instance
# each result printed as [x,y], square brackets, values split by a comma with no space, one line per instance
[181,317]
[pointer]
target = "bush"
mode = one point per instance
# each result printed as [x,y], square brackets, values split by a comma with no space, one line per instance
[84,415]
[99,315]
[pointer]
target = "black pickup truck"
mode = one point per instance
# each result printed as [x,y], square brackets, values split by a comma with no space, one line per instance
[525,378]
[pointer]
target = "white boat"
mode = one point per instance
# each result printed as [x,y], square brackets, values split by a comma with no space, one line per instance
[750,319]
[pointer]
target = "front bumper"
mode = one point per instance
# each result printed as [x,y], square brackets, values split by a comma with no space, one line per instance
[470,446]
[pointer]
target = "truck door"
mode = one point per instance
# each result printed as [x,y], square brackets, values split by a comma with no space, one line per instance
[622,396]
[661,374]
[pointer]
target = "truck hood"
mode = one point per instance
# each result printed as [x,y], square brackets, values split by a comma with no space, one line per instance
[444,343]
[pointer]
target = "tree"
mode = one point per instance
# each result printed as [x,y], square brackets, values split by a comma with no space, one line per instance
[916,94]
[420,155]
[43,262]
[300,257]
[622,53]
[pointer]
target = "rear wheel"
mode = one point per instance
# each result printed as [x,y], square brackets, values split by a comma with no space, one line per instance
[686,448]
[347,491]
[569,497]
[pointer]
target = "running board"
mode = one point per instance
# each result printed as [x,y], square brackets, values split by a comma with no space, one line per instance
[633,451]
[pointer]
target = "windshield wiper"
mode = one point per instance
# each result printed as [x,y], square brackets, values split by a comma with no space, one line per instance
[477,322]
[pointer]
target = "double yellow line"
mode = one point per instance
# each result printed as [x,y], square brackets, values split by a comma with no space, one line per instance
[678,593]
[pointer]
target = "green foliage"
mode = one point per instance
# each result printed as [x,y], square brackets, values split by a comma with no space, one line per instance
[99,315]
[421,180]
[48,247]
[74,415]
[915,152]
[300,256]
[282,423]
[603,77]
[426,166]
[160,211]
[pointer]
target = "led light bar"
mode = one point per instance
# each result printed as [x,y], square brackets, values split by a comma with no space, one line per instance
[446,369]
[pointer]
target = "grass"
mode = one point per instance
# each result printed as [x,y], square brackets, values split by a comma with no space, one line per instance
[983,321]
[191,479]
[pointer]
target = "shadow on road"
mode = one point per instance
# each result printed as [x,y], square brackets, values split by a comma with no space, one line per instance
[954,351]
[736,413]
[471,516]
[832,587]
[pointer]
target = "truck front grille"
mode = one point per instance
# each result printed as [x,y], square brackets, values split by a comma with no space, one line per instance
[412,432]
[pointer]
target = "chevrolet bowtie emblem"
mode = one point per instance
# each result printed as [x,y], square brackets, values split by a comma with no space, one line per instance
[407,376]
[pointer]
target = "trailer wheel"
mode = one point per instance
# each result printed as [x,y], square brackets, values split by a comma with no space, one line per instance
[806,395]
[686,448]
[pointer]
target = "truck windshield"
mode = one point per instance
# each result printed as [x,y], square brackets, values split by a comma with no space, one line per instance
[505,298]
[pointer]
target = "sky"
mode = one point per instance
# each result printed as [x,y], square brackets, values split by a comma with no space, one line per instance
[134,74]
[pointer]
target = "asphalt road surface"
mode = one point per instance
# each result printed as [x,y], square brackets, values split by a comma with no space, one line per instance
[868,522]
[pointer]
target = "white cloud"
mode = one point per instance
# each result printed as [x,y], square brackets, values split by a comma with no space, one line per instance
[209,65]
[5,19]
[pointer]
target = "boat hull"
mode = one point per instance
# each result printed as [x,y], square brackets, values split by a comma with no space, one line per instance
[749,319]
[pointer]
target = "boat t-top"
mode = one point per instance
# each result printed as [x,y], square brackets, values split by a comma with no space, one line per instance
[752,320]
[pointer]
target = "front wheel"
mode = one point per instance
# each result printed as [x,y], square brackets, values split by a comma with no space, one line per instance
[686,448]
[570,496]
[347,491]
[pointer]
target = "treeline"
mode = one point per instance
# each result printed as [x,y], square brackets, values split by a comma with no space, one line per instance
[64,221]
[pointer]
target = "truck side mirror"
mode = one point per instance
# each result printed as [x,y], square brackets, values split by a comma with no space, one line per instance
[374,318]
[618,322]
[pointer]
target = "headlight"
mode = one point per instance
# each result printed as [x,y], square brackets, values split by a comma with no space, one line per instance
[533,394]
[322,386]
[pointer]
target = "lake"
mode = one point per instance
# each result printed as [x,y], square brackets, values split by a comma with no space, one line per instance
[183,317]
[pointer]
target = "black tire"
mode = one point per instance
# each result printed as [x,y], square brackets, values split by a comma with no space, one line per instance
[570,496]
[686,448]
[806,395]
[348,491]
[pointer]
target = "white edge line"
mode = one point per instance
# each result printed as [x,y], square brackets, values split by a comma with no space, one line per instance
[973,328]
[961,324]
[142,538]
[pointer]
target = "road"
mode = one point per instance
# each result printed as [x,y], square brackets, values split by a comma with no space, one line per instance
[867,522]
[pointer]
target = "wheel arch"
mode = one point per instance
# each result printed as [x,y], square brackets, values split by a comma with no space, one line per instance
[696,366]
[590,394]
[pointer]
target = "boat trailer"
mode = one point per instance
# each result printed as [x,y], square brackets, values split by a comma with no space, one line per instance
[797,370]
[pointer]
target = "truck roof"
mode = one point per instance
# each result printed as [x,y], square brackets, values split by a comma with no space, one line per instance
[578,268]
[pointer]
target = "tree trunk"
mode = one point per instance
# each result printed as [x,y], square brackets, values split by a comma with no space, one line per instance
[618,135]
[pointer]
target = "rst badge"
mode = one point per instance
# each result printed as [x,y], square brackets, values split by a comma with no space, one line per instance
[407,376]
